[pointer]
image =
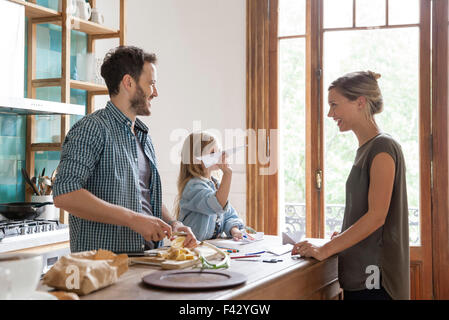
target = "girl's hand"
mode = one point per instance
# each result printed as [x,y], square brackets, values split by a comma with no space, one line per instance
[334,234]
[223,164]
[236,234]
[306,249]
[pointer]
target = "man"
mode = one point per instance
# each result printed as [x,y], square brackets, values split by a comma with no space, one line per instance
[107,178]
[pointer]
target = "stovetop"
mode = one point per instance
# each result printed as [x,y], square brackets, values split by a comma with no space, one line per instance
[16,235]
[12,228]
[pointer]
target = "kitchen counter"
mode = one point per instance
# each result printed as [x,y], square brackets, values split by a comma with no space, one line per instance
[289,279]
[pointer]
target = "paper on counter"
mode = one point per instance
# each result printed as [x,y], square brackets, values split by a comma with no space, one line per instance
[210,159]
[230,243]
[281,249]
[298,236]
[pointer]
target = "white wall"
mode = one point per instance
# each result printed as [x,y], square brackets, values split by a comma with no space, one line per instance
[201,73]
[12,54]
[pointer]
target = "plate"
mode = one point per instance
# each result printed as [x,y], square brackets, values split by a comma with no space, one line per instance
[40,295]
[194,279]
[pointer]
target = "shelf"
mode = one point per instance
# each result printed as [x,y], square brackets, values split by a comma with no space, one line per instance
[89,86]
[46,146]
[24,106]
[34,11]
[46,15]
[92,28]
[94,88]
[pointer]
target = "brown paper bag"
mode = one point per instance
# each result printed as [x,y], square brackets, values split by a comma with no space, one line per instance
[85,272]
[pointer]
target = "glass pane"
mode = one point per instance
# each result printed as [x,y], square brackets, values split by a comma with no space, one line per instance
[292,134]
[292,17]
[403,11]
[370,13]
[399,83]
[337,13]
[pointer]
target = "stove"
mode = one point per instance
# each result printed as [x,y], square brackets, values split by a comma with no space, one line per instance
[16,235]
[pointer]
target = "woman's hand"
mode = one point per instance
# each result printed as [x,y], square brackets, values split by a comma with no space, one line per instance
[190,241]
[334,234]
[306,249]
[236,234]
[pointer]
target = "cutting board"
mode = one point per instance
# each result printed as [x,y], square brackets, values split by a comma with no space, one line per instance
[207,252]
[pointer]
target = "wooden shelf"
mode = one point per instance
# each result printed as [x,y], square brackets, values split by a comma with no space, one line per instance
[46,146]
[88,86]
[34,11]
[94,88]
[92,28]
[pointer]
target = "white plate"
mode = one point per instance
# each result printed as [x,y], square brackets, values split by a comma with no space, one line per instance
[40,295]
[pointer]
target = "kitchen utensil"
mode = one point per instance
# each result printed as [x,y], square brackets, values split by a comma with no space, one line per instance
[194,279]
[27,179]
[22,210]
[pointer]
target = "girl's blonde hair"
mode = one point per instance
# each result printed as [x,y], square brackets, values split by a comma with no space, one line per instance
[195,145]
[361,83]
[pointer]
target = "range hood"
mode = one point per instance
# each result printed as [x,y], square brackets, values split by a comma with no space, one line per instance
[24,106]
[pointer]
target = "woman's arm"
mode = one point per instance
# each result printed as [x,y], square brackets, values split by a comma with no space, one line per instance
[382,174]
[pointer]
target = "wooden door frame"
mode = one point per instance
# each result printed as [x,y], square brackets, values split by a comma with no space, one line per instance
[440,194]
[431,222]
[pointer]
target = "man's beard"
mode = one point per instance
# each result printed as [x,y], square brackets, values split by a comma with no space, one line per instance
[139,103]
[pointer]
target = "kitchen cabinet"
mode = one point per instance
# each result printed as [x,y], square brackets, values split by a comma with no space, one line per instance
[37,14]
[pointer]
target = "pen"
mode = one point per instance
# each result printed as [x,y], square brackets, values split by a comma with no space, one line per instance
[251,256]
[260,252]
[248,236]
[232,250]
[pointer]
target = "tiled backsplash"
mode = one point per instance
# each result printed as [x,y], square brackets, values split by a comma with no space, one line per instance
[13,127]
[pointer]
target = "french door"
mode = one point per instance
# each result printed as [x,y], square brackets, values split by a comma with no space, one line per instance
[308,44]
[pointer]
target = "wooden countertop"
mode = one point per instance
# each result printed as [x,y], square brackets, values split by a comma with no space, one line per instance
[289,279]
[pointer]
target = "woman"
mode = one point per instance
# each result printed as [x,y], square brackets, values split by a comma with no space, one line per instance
[373,246]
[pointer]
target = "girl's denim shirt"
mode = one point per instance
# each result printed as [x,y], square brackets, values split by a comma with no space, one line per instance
[200,210]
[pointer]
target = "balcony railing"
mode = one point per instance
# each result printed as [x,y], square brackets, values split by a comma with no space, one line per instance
[295,220]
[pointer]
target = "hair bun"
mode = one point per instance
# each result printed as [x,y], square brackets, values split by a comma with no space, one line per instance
[374,75]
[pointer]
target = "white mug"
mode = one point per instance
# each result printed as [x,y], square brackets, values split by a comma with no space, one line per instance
[19,275]
[50,212]
[83,9]
[71,6]
[97,16]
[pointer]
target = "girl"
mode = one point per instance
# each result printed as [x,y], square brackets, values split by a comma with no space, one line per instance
[202,202]
[373,247]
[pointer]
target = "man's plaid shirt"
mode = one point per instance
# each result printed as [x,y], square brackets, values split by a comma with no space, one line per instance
[99,154]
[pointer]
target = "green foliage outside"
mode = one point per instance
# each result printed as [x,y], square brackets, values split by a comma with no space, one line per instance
[394,53]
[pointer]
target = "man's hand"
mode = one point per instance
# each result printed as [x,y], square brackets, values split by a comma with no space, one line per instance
[151,228]
[190,241]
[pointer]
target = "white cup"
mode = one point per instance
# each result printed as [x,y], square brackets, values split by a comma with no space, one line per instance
[71,6]
[19,275]
[83,9]
[97,16]
[50,212]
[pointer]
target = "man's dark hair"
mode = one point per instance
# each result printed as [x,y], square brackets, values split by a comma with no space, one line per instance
[124,60]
